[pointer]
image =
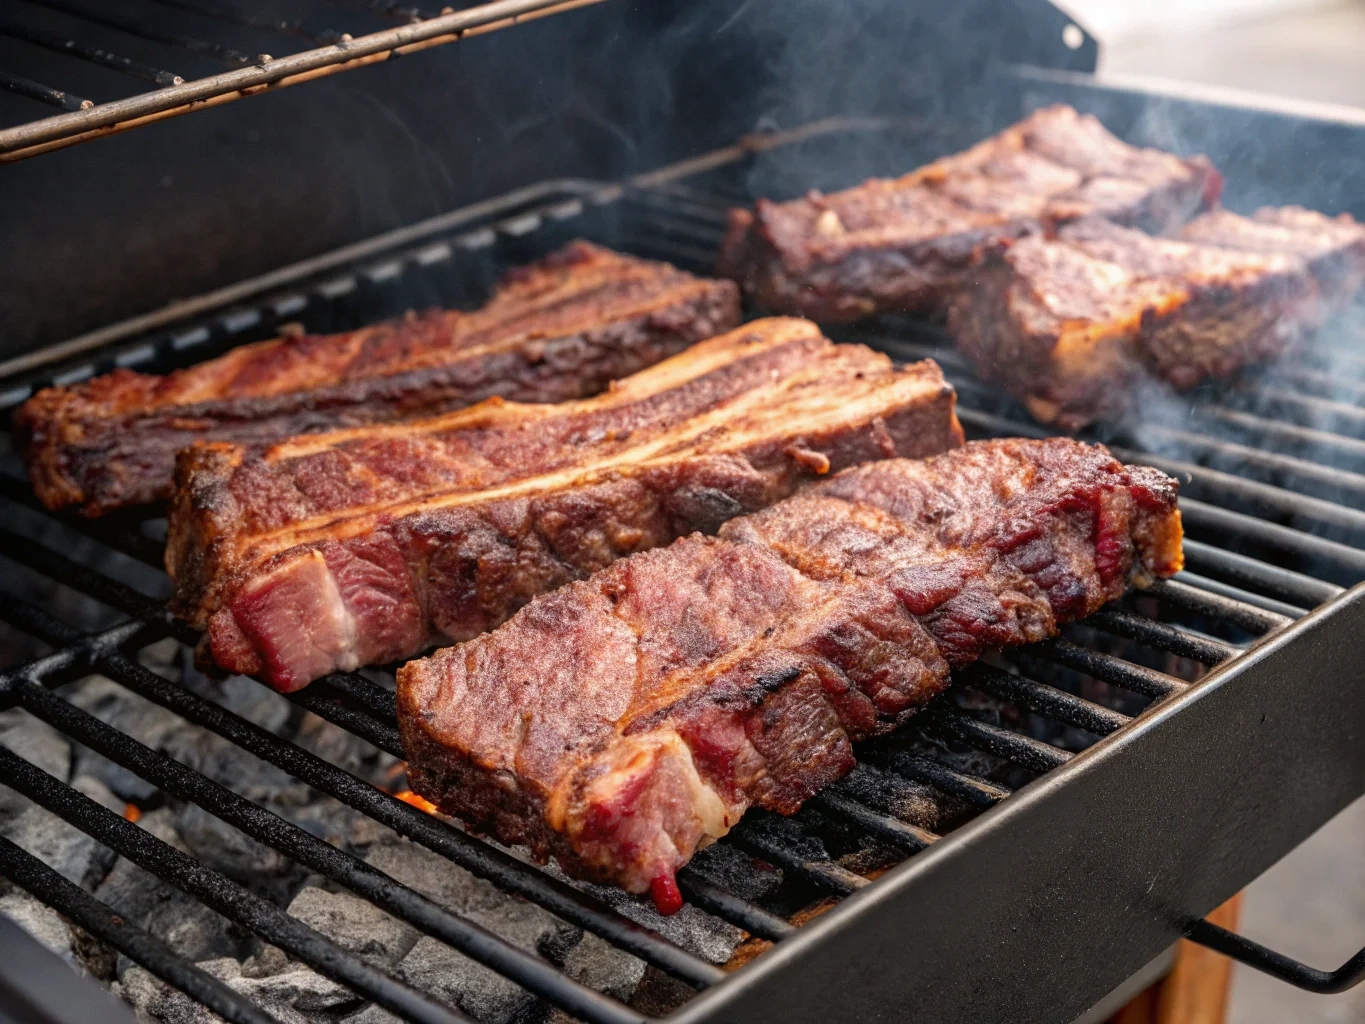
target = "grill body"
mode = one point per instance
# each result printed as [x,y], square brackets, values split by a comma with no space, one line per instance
[1039,906]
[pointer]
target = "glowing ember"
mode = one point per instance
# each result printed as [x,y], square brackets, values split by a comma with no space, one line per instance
[132,812]
[421,803]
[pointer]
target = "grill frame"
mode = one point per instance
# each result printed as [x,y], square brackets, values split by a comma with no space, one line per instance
[812,973]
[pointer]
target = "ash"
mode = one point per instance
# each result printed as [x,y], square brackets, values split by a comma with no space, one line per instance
[290,991]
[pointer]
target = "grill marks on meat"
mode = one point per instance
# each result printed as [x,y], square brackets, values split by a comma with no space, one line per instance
[558,329]
[905,245]
[624,721]
[358,547]
[1074,325]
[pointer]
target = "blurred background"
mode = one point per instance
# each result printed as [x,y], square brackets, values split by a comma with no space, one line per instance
[1312,904]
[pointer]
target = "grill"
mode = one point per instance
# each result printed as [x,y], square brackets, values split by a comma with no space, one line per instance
[1104,790]
[94,36]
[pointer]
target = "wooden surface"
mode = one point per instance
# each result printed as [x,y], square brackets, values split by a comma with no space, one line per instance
[1197,989]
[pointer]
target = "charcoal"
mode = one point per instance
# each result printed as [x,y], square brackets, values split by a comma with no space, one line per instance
[295,996]
[372,1014]
[127,712]
[39,744]
[178,919]
[355,925]
[64,847]
[736,871]
[435,968]
[40,921]
[601,966]
[691,928]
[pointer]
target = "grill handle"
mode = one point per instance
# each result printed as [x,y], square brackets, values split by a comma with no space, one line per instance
[1277,965]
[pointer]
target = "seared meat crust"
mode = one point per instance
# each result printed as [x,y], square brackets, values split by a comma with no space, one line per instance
[905,245]
[358,547]
[558,329]
[623,721]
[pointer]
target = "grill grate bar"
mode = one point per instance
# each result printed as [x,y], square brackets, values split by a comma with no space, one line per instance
[101,921]
[127,541]
[29,89]
[1253,492]
[1288,611]
[1239,613]
[219,892]
[1283,538]
[132,27]
[977,791]
[283,26]
[717,900]
[380,889]
[93,54]
[1024,750]
[904,836]
[782,841]
[1138,678]
[1046,700]
[1295,586]
[1164,637]
[1310,437]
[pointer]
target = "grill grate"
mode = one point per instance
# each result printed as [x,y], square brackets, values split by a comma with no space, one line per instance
[1032,711]
[198,44]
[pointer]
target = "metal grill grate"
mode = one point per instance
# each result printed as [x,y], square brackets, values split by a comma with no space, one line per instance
[1255,572]
[203,33]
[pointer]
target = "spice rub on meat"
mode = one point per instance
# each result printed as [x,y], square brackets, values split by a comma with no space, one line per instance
[359,547]
[558,329]
[623,721]
[905,245]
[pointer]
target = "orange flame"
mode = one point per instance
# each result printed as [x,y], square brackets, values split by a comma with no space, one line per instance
[132,812]
[421,803]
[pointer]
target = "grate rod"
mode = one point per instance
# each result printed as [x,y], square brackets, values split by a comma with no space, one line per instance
[780,841]
[129,26]
[1239,613]
[1163,636]
[727,906]
[1283,538]
[1024,750]
[1046,700]
[29,89]
[130,542]
[374,885]
[219,892]
[105,924]
[178,99]
[1289,611]
[974,790]
[93,54]
[1309,437]
[899,834]
[1138,678]
[1295,586]
[477,857]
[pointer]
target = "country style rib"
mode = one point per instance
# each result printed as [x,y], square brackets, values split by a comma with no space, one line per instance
[905,245]
[626,720]
[359,547]
[1075,326]
[560,328]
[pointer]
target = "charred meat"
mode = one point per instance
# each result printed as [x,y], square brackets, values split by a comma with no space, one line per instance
[561,328]
[625,720]
[1075,325]
[905,245]
[359,547]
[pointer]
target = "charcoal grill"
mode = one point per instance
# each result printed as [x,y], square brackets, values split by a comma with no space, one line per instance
[1142,768]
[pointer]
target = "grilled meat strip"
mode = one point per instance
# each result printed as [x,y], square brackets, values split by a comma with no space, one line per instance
[359,547]
[561,328]
[1332,247]
[1074,326]
[905,245]
[623,721]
